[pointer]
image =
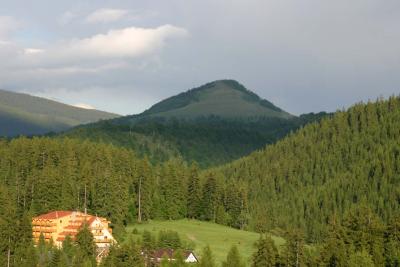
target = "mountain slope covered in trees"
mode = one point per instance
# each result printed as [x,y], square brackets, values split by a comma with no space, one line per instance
[22,114]
[334,183]
[211,125]
[326,170]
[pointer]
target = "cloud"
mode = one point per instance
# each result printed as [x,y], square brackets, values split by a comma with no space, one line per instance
[129,42]
[105,15]
[8,24]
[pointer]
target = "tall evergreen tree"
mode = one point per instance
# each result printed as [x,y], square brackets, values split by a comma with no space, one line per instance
[207,258]
[86,247]
[293,255]
[266,254]
[210,198]
[194,193]
[359,259]
[233,259]
[334,251]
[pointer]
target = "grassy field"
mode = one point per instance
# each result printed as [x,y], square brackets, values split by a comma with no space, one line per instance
[219,238]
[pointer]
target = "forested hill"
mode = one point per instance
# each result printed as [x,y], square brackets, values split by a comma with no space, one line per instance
[326,170]
[212,125]
[22,114]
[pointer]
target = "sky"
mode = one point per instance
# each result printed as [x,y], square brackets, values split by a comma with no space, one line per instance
[123,56]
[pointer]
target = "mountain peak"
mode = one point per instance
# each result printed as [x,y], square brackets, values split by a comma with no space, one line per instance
[222,98]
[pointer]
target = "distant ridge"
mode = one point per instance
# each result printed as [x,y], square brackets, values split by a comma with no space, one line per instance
[23,114]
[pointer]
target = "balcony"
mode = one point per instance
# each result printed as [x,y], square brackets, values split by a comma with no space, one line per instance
[44,229]
[102,240]
[45,235]
[43,223]
[97,233]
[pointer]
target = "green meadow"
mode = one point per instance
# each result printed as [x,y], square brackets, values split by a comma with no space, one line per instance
[220,238]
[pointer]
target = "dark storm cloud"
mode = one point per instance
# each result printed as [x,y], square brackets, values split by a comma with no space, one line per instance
[123,56]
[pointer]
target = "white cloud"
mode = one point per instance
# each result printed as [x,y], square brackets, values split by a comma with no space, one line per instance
[84,106]
[121,43]
[105,15]
[8,24]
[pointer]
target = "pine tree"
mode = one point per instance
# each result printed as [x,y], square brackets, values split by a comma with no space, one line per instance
[392,243]
[334,251]
[148,240]
[169,239]
[128,255]
[194,193]
[43,251]
[294,249]
[210,199]
[145,186]
[86,247]
[266,253]
[233,259]
[359,259]
[207,258]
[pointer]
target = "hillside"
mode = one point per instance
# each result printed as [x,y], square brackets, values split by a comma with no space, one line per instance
[222,98]
[219,238]
[334,183]
[212,125]
[326,170]
[22,114]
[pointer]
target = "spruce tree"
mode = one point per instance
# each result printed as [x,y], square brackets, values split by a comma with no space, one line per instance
[210,199]
[233,259]
[266,253]
[194,193]
[359,259]
[293,254]
[207,258]
[86,247]
[334,251]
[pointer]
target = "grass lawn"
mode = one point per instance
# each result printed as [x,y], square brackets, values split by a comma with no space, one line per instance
[219,238]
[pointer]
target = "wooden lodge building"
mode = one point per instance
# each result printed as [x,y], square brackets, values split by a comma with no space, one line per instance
[56,225]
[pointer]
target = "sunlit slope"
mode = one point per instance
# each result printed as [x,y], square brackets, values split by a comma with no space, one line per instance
[220,238]
[22,114]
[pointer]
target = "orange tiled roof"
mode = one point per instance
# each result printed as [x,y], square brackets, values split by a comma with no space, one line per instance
[91,220]
[54,215]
